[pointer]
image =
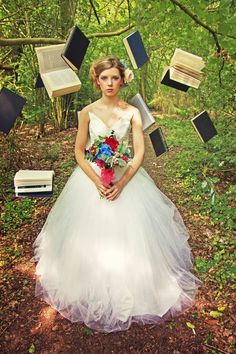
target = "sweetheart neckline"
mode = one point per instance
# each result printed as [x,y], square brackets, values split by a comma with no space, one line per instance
[120,119]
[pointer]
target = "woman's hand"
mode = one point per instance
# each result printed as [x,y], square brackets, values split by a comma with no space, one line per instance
[113,192]
[102,190]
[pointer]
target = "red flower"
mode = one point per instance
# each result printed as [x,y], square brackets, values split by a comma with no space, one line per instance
[100,163]
[112,142]
[125,158]
[106,176]
[92,150]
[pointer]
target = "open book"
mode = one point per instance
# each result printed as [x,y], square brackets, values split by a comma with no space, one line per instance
[185,68]
[147,118]
[57,77]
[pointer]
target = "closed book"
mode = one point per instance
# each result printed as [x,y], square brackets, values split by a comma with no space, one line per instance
[158,141]
[38,82]
[35,188]
[35,194]
[204,126]
[11,105]
[33,178]
[75,48]
[166,80]
[57,77]
[135,49]
[147,118]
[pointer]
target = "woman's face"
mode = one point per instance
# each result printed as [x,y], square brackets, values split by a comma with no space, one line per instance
[110,81]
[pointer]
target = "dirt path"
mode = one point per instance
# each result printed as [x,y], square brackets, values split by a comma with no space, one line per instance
[31,326]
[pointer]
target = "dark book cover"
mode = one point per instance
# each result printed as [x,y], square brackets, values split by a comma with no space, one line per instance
[158,142]
[38,82]
[204,126]
[35,194]
[166,80]
[135,49]
[11,105]
[75,48]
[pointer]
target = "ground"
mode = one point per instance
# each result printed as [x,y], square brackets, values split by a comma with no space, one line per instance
[30,326]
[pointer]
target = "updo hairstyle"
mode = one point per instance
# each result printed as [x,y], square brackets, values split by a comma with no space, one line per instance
[102,64]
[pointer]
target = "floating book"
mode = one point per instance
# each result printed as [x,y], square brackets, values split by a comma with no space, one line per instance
[11,105]
[166,80]
[184,69]
[75,48]
[135,49]
[146,115]
[38,82]
[33,183]
[204,126]
[158,142]
[57,77]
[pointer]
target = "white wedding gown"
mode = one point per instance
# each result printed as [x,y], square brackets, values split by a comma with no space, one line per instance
[109,264]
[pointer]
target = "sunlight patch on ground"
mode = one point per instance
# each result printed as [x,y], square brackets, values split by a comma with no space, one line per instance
[46,320]
[26,267]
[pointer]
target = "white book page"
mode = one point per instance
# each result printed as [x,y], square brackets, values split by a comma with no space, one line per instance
[188,59]
[50,59]
[61,79]
[34,174]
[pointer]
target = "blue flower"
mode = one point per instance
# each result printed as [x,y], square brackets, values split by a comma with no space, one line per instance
[105,150]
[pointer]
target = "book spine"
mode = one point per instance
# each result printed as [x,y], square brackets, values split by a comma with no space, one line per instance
[130,54]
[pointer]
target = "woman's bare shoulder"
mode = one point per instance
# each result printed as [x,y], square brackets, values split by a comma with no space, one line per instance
[89,108]
[128,107]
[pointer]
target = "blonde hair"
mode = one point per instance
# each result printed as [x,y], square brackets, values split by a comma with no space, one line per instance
[102,64]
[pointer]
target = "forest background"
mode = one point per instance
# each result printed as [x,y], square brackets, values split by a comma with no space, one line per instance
[203,173]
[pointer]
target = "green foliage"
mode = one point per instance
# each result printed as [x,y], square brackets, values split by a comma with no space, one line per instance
[204,172]
[16,213]
[52,153]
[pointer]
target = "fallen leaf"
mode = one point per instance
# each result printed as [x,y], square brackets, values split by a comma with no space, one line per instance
[191,326]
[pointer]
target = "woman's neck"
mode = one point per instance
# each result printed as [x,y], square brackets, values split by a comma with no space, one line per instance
[110,101]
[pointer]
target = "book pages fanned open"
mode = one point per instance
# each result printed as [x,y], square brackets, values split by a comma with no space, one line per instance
[187,59]
[57,77]
[185,69]
[147,118]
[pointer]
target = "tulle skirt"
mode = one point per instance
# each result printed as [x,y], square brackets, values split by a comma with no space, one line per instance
[109,264]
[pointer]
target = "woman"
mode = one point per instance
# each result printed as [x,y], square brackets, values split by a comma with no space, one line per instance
[112,255]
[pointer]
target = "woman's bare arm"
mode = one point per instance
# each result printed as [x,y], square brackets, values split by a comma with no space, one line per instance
[138,146]
[80,145]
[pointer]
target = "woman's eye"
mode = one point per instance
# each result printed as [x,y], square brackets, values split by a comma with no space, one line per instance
[103,78]
[115,77]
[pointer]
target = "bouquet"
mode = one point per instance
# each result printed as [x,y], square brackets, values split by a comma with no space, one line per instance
[108,153]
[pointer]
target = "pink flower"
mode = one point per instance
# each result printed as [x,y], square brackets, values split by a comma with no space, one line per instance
[106,176]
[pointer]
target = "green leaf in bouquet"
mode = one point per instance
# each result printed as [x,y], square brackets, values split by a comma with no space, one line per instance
[122,163]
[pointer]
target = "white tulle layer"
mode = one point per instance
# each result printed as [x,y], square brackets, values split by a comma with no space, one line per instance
[109,264]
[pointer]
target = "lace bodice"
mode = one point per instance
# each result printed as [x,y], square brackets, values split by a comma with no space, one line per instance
[97,127]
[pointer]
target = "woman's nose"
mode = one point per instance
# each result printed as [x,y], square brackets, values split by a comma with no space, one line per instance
[109,81]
